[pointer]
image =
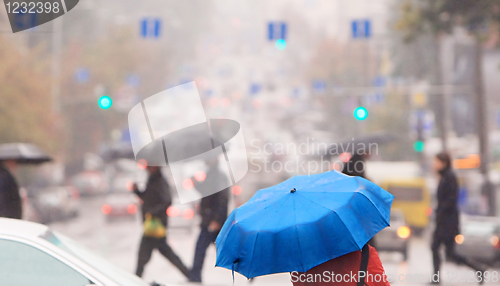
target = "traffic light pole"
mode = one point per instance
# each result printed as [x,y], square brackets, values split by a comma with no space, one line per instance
[56,64]
[483,127]
[420,141]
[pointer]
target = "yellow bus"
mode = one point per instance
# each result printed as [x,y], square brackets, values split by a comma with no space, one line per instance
[412,197]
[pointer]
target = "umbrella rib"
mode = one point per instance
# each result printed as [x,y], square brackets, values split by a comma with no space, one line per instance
[350,233]
[298,240]
[300,248]
[266,207]
[333,211]
[378,209]
[253,252]
[316,203]
[257,235]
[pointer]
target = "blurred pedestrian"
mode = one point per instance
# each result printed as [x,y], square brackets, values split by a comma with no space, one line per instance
[447,217]
[365,265]
[356,165]
[156,199]
[213,211]
[10,199]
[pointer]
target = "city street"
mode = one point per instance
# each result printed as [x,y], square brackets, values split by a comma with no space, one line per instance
[299,131]
[118,241]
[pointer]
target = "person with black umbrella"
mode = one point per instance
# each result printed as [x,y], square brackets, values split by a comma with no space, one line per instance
[10,200]
[447,217]
[12,154]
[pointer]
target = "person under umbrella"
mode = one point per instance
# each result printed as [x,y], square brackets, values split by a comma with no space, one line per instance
[340,270]
[304,222]
[10,200]
[12,154]
[447,217]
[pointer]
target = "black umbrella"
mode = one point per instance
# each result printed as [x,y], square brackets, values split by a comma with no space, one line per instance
[23,153]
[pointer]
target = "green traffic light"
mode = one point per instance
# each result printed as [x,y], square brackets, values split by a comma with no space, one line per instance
[105,102]
[418,146]
[360,113]
[280,44]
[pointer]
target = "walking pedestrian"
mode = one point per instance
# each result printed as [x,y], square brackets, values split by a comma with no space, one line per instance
[213,211]
[356,268]
[10,200]
[356,165]
[447,217]
[156,199]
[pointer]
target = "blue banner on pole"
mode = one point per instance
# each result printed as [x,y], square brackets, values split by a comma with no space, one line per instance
[319,85]
[150,28]
[277,31]
[255,88]
[361,29]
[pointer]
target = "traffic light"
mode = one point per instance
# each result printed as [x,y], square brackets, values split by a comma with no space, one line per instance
[105,102]
[360,113]
[418,146]
[280,44]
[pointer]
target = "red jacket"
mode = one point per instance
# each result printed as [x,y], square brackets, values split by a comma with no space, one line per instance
[343,271]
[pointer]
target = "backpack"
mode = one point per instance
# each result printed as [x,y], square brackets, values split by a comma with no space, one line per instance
[365,254]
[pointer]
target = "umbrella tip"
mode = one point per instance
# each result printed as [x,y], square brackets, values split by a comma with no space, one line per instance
[293,190]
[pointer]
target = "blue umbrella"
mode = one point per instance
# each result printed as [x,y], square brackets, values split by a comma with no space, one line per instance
[301,223]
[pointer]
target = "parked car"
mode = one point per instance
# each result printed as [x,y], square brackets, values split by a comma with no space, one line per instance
[29,211]
[184,216]
[54,203]
[120,201]
[479,239]
[89,183]
[32,254]
[396,236]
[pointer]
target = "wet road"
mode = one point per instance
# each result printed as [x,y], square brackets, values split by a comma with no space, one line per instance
[118,241]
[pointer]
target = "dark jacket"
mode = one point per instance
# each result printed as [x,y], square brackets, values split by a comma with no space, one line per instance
[156,197]
[213,206]
[10,200]
[447,216]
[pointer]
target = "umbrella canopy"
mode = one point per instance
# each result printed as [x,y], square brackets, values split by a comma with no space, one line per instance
[23,153]
[301,223]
